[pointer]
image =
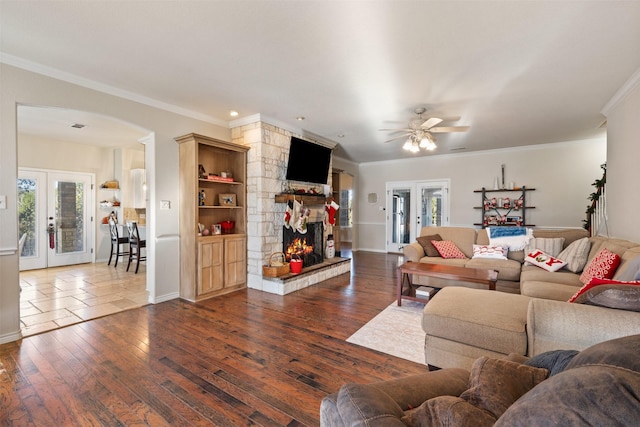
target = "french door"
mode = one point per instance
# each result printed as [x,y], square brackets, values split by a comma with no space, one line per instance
[412,205]
[55,213]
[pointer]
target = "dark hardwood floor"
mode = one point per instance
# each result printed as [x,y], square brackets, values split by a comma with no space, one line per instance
[247,358]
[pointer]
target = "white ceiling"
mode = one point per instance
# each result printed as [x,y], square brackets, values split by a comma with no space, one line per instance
[517,72]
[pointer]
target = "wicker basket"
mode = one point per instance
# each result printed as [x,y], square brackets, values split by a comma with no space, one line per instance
[275,267]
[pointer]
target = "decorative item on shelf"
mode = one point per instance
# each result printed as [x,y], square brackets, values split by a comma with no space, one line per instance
[506,203]
[330,250]
[201,228]
[227,227]
[213,177]
[227,199]
[201,198]
[226,174]
[202,173]
[112,185]
[216,229]
[276,265]
[296,264]
[518,203]
[493,202]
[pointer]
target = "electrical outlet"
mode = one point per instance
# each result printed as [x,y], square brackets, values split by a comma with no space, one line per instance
[3,202]
[165,204]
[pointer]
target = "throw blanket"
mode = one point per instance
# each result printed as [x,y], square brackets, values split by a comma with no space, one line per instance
[515,238]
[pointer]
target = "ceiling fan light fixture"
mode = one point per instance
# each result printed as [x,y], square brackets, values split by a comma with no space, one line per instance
[415,147]
[431,146]
[407,145]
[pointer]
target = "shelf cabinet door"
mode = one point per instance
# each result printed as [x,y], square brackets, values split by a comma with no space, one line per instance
[211,266]
[235,261]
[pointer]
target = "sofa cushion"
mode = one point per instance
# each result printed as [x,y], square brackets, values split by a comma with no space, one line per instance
[610,293]
[629,268]
[602,381]
[484,319]
[544,260]
[448,249]
[551,245]
[588,396]
[554,361]
[508,269]
[548,290]
[602,266]
[494,384]
[448,411]
[488,251]
[463,237]
[576,255]
[366,405]
[533,273]
[429,249]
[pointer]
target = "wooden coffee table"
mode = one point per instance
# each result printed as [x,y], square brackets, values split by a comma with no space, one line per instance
[449,272]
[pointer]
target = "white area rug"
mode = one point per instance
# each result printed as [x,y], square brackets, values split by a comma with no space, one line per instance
[396,331]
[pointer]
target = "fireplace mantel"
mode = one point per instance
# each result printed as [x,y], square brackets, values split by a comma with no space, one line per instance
[310,199]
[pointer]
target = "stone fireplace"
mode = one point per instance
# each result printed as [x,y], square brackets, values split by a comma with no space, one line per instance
[308,246]
[266,170]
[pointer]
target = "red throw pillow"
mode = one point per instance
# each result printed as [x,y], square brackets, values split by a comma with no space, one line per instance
[448,249]
[596,282]
[602,266]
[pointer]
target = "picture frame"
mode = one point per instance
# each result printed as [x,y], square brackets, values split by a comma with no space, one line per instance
[513,219]
[227,199]
[217,229]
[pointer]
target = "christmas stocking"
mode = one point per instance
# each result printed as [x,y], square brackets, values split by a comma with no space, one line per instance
[301,224]
[288,213]
[295,214]
[330,212]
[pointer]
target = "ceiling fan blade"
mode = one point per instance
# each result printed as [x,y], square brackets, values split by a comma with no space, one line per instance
[430,123]
[398,137]
[396,130]
[443,129]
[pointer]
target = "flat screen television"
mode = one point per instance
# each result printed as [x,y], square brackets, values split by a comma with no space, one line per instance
[308,162]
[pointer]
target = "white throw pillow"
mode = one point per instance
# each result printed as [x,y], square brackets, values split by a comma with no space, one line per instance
[544,260]
[576,254]
[489,251]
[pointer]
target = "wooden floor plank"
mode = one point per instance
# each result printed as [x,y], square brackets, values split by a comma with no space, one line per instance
[245,358]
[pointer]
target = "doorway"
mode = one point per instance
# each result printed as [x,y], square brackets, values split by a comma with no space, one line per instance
[54,213]
[411,205]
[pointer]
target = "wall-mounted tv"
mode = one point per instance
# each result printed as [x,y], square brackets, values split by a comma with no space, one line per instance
[308,162]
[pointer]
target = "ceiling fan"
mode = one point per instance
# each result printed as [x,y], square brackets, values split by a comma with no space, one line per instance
[420,130]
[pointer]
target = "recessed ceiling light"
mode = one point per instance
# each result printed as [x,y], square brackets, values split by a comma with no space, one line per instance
[233,113]
[77,125]
[341,135]
[300,118]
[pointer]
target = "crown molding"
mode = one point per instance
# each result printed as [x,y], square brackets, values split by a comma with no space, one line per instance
[622,93]
[104,88]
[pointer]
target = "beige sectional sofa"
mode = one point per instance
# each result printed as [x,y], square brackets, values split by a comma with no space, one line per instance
[510,271]
[530,316]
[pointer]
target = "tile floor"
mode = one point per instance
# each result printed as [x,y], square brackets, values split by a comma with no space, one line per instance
[55,297]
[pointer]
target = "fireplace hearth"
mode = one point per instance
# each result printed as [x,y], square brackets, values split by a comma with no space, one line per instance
[308,246]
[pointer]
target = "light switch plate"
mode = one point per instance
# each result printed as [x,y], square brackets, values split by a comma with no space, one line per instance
[165,204]
[3,202]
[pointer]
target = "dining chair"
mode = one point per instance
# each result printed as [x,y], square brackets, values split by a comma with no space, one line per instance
[135,245]
[118,244]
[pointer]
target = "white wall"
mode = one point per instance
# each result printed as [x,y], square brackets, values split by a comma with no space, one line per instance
[561,174]
[18,86]
[623,169]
